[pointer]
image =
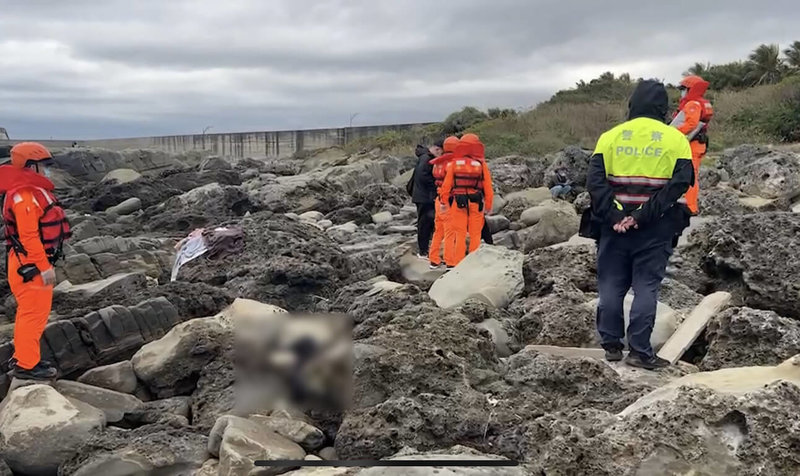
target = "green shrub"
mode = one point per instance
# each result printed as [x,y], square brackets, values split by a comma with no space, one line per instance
[458,122]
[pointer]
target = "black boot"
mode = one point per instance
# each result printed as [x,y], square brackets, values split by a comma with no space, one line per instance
[41,371]
[614,355]
[635,359]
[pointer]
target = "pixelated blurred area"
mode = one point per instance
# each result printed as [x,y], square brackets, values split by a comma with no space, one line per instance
[284,361]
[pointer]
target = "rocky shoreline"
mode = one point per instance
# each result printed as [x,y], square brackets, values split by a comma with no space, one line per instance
[498,358]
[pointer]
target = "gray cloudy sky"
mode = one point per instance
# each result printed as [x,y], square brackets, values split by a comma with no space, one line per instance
[116,68]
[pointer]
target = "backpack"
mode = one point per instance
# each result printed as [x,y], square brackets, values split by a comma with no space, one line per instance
[410,184]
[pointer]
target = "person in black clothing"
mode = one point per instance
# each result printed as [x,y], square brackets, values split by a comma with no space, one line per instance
[424,195]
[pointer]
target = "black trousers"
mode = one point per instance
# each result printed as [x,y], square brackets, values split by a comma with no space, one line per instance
[426,219]
[486,234]
[638,260]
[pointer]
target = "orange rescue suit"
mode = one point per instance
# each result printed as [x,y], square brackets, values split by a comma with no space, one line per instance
[441,230]
[693,110]
[468,188]
[34,298]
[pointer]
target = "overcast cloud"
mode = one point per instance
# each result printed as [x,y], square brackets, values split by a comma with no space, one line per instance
[118,68]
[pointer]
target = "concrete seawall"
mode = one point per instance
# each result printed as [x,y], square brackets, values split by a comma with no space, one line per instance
[276,144]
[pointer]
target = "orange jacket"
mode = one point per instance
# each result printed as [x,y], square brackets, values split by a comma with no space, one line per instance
[694,108]
[20,184]
[27,214]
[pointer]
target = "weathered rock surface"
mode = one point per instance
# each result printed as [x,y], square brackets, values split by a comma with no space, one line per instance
[239,442]
[113,404]
[732,435]
[119,377]
[131,205]
[514,173]
[763,172]
[576,162]
[412,385]
[122,176]
[109,335]
[300,432]
[751,256]
[554,222]
[40,429]
[151,449]
[285,262]
[518,202]
[492,274]
[171,365]
[741,337]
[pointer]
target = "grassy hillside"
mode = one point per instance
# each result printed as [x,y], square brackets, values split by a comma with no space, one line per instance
[760,114]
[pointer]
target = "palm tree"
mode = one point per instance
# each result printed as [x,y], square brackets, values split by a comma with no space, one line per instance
[793,55]
[766,65]
[698,69]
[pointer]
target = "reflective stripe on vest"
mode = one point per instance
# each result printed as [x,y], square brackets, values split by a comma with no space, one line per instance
[54,227]
[467,176]
[639,157]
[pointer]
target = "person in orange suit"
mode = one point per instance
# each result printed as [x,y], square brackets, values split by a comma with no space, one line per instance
[441,223]
[692,118]
[35,230]
[468,183]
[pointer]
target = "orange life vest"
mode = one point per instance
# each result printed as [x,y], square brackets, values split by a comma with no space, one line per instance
[440,167]
[54,227]
[467,175]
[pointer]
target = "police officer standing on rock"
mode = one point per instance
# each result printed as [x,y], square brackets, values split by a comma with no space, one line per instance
[638,175]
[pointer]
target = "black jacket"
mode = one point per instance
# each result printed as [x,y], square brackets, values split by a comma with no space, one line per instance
[424,183]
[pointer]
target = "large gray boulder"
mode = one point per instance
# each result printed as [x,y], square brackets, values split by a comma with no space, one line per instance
[553,222]
[514,173]
[40,429]
[114,404]
[122,176]
[171,365]
[306,435]
[763,172]
[517,202]
[575,159]
[119,377]
[742,336]
[751,256]
[492,274]
[239,442]
[131,205]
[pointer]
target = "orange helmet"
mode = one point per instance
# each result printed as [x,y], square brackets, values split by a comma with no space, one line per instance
[24,153]
[450,144]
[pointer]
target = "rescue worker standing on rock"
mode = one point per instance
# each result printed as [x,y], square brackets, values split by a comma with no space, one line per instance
[692,118]
[423,194]
[468,184]
[639,171]
[35,230]
[442,229]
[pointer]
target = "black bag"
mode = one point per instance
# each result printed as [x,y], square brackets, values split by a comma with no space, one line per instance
[410,184]
[589,227]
